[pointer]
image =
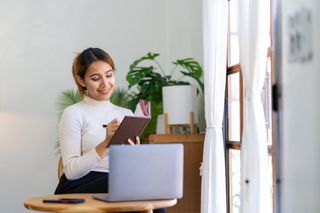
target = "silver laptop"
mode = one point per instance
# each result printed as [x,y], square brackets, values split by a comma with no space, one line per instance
[145,172]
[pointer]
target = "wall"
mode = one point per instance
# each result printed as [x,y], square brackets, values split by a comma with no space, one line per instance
[38,42]
[301,118]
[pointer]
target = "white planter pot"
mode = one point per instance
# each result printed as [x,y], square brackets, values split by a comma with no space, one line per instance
[178,102]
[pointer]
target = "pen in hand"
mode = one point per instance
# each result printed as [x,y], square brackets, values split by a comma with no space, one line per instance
[113,121]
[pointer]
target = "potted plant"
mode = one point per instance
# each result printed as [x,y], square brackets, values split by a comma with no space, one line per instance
[146,81]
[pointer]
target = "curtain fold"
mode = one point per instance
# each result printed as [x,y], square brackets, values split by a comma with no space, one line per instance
[253,43]
[213,187]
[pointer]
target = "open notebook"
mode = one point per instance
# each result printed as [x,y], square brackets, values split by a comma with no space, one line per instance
[132,126]
[143,109]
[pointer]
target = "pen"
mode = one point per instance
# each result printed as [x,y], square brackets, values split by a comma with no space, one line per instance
[105,125]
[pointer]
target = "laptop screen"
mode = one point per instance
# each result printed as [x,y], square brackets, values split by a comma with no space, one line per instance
[145,172]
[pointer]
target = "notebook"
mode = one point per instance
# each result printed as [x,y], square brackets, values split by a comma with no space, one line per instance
[145,172]
[132,126]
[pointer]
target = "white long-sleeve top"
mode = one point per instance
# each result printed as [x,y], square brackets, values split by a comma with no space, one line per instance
[80,131]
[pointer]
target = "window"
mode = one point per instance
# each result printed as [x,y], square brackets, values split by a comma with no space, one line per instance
[234,112]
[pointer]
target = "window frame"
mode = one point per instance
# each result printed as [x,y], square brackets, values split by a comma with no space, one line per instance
[236,145]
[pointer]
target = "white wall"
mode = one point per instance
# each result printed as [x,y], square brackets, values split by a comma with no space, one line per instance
[38,40]
[301,119]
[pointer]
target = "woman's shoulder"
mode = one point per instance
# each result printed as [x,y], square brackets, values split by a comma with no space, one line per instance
[73,109]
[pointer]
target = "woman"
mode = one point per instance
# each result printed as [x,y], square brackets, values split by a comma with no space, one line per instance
[83,140]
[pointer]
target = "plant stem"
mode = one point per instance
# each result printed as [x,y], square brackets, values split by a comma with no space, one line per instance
[172,71]
[161,69]
[201,85]
[180,78]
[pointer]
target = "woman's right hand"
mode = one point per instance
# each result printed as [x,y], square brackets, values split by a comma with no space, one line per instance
[110,130]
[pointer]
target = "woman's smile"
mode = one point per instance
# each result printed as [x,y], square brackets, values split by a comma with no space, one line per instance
[104,91]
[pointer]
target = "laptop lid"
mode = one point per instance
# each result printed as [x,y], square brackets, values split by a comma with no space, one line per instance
[145,172]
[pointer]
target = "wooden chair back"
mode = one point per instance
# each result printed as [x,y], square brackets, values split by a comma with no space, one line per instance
[60,168]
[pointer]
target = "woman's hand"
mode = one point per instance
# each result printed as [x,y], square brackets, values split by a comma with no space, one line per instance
[137,141]
[111,128]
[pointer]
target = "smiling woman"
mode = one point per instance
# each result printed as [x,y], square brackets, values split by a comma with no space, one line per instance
[83,140]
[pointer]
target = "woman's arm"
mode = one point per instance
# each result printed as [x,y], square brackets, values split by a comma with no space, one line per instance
[111,128]
[75,164]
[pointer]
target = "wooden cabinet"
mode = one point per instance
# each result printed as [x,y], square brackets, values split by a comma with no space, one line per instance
[193,151]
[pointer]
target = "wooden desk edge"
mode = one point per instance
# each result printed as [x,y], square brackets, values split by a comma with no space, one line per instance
[176,138]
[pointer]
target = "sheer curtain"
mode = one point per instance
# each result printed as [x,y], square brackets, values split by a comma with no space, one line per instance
[213,188]
[253,41]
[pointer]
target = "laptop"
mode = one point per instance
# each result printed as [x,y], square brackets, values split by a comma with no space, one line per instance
[144,172]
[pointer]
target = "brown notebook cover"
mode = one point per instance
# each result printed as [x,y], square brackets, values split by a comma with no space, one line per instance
[130,127]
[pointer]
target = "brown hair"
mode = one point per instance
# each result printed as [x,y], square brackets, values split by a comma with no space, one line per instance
[84,59]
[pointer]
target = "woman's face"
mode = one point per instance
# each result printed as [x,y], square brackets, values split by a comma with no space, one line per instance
[99,80]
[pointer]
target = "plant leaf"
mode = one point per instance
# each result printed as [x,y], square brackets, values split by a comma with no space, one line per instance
[67,98]
[121,97]
[136,74]
[148,56]
[191,65]
[201,85]
[192,69]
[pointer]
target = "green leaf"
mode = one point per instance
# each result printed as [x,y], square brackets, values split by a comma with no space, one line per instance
[201,85]
[174,82]
[67,98]
[136,74]
[191,65]
[121,97]
[149,56]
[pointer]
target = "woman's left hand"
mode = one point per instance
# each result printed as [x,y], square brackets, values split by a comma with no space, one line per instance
[137,141]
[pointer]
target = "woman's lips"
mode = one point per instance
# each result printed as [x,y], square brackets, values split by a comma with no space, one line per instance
[104,92]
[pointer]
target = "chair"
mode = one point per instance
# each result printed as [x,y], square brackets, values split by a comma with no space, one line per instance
[60,168]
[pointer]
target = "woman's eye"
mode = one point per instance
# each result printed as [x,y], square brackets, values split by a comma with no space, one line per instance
[109,75]
[95,79]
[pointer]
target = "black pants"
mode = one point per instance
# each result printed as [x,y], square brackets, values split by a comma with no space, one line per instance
[94,182]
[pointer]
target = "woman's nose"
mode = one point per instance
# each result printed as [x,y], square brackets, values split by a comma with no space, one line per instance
[104,82]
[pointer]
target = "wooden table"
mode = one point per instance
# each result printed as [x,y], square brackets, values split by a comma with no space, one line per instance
[94,206]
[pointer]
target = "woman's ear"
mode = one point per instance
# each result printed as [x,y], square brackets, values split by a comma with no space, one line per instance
[80,81]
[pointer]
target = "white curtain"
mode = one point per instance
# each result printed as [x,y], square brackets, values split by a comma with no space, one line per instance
[253,41]
[213,188]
